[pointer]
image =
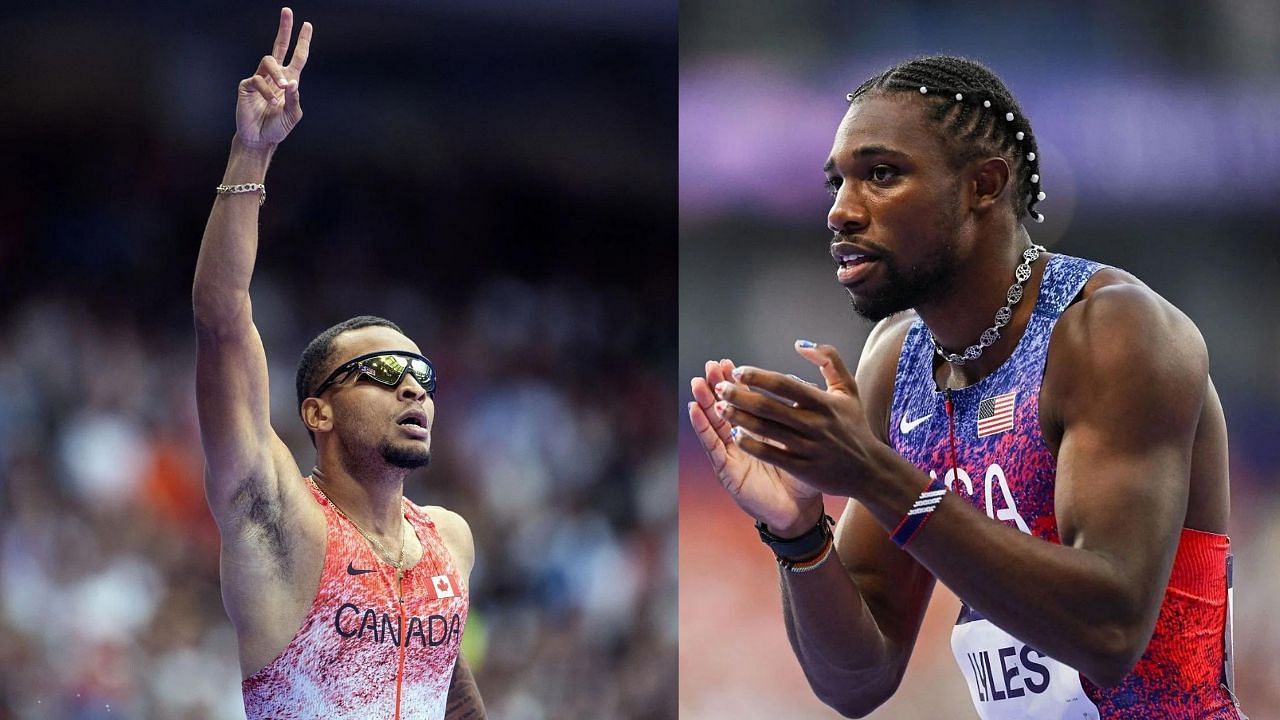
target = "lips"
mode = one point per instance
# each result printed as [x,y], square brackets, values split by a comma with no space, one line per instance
[416,423]
[416,431]
[854,263]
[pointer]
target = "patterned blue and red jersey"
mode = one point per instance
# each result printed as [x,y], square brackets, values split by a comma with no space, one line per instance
[1004,467]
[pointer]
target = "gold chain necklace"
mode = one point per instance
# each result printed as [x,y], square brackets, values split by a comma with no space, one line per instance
[385,554]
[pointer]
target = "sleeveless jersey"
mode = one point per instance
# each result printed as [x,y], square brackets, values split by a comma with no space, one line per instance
[1005,469]
[361,653]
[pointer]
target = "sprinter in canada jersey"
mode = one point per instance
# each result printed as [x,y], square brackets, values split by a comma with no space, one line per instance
[348,600]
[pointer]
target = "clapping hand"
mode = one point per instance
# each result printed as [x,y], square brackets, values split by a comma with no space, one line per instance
[764,491]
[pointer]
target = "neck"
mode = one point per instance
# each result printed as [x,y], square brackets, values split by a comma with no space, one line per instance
[958,318]
[373,500]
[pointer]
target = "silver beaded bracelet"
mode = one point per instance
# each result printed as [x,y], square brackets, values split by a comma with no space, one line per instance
[245,188]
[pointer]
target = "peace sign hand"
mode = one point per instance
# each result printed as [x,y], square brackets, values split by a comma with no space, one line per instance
[268,105]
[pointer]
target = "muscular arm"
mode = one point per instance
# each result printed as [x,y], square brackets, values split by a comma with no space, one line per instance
[1132,383]
[231,365]
[269,537]
[1129,374]
[243,454]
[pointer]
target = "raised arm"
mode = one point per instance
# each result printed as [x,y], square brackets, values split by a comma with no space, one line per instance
[242,452]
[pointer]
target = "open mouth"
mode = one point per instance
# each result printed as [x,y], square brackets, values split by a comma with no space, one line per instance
[415,423]
[850,259]
[853,267]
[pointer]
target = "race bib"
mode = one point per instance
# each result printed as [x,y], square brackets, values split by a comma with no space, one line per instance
[1010,680]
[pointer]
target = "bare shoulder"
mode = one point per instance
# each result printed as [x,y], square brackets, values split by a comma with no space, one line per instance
[1121,335]
[456,534]
[878,368]
[1119,319]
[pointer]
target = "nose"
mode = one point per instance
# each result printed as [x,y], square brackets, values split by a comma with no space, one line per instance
[411,389]
[848,213]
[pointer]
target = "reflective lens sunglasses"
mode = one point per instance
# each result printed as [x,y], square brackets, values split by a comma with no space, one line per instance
[387,368]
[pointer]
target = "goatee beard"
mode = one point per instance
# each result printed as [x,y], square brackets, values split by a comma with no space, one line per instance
[408,458]
[904,291]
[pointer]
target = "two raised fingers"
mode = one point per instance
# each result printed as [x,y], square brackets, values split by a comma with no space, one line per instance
[273,80]
[281,46]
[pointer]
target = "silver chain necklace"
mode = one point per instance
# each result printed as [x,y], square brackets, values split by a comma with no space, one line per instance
[991,334]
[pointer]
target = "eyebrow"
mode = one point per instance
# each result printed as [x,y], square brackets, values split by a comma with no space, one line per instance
[863,152]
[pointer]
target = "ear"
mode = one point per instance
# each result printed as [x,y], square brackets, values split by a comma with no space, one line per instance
[989,181]
[317,415]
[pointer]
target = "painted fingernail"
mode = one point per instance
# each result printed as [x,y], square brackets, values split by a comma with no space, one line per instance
[798,379]
[806,343]
[737,372]
[734,432]
[722,407]
[721,387]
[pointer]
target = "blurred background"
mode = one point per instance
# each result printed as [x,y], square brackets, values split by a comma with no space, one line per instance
[1161,155]
[495,178]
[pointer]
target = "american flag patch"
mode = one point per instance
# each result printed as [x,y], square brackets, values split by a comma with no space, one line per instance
[995,414]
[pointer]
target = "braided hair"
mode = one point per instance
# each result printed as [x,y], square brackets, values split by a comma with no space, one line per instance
[980,113]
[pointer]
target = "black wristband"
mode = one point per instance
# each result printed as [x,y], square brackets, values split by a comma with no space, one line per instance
[798,548]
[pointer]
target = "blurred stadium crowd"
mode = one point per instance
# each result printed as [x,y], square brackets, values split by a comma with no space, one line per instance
[543,292]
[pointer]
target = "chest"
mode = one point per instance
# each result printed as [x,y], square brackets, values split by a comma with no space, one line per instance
[988,448]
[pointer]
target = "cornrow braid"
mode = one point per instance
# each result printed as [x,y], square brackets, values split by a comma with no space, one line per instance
[980,112]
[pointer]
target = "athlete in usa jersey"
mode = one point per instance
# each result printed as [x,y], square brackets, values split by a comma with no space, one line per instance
[348,601]
[1036,431]
[1003,466]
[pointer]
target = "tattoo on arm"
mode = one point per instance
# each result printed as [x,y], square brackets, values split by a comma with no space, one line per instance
[464,697]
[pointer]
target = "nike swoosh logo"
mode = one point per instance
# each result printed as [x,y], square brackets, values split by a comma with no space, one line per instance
[355,571]
[905,427]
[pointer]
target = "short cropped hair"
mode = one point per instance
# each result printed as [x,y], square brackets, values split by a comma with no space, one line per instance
[319,352]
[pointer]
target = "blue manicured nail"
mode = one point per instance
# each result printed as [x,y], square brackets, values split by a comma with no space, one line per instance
[806,343]
[733,432]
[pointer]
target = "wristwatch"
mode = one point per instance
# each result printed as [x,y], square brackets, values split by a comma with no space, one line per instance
[797,548]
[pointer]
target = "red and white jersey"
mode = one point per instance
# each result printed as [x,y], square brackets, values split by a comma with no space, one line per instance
[371,646]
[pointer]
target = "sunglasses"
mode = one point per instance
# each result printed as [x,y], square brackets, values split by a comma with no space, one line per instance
[386,368]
